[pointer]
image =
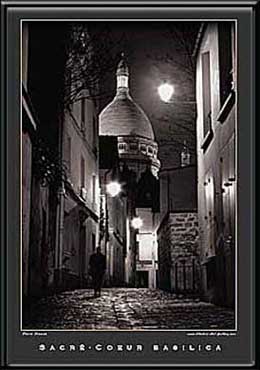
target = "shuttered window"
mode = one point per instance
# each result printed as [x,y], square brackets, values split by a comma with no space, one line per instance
[225,60]
[206,91]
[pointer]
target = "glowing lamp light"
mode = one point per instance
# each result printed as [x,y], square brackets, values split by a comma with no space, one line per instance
[137,223]
[113,188]
[165,91]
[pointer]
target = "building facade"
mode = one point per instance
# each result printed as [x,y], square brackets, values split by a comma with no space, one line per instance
[178,232]
[137,163]
[60,180]
[40,164]
[79,234]
[216,147]
[78,229]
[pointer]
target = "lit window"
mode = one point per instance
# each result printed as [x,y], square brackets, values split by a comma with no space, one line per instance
[122,81]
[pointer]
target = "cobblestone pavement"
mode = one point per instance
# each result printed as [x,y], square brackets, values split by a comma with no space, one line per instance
[125,309]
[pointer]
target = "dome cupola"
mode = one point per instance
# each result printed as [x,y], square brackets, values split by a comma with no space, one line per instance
[123,117]
[122,68]
[122,76]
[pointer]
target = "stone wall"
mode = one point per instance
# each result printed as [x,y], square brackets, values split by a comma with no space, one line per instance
[179,269]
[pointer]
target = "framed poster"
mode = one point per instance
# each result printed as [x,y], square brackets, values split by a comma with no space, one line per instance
[129,215]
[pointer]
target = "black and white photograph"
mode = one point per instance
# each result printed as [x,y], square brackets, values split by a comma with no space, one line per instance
[128,197]
[128,175]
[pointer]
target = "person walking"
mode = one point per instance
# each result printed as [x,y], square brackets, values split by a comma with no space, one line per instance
[97,264]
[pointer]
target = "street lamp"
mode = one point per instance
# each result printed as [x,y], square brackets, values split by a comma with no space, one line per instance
[166,91]
[137,222]
[113,188]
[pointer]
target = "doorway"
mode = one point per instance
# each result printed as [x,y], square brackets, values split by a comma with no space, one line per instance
[142,279]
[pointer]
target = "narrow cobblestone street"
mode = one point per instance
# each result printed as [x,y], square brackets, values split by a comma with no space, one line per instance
[125,309]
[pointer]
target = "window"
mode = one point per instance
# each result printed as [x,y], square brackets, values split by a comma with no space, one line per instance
[82,172]
[122,81]
[206,91]
[133,146]
[150,150]
[94,132]
[94,189]
[145,247]
[93,242]
[225,60]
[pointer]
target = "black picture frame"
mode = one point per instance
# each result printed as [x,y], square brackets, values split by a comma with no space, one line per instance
[20,349]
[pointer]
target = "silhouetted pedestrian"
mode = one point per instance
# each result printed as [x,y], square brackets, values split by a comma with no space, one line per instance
[97,265]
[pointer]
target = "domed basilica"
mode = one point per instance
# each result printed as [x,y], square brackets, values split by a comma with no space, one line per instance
[126,120]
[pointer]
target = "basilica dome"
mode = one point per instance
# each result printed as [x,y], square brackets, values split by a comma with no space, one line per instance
[123,117]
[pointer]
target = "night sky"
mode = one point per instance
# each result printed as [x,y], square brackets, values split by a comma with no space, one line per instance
[154,56]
